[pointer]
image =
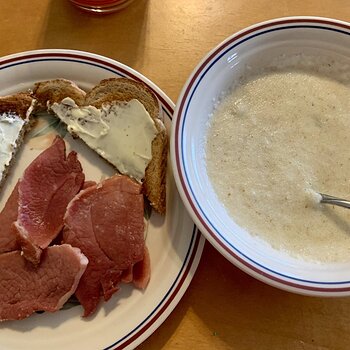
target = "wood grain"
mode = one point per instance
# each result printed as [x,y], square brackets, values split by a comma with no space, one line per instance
[165,39]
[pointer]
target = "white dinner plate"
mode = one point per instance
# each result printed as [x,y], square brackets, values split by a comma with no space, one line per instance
[174,242]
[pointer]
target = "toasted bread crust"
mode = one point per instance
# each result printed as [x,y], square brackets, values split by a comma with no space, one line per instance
[154,185]
[123,90]
[51,91]
[17,104]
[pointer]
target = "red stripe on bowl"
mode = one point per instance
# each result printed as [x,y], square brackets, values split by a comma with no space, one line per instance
[179,119]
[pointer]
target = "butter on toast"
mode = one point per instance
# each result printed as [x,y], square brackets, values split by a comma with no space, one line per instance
[15,121]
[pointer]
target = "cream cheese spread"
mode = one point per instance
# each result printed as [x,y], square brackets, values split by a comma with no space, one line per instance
[10,128]
[120,133]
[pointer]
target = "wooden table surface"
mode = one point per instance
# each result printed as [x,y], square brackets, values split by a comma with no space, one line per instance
[164,39]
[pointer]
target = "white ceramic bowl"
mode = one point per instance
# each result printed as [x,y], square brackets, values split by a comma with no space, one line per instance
[255,46]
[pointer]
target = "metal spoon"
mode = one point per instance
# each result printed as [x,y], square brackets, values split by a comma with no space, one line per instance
[327,199]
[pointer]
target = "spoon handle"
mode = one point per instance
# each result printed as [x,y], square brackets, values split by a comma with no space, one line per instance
[327,199]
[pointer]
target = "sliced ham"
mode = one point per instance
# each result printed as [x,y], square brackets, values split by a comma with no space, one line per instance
[88,184]
[8,233]
[122,239]
[127,275]
[106,222]
[140,273]
[25,288]
[47,186]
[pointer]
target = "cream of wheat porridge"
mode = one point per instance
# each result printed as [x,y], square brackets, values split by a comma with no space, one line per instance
[274,140]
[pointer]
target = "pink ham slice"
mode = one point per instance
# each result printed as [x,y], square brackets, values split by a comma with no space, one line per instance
[25,288]
[106,222]
[140,273]
[47,186]
[8,233]
[88,184]
[127,275]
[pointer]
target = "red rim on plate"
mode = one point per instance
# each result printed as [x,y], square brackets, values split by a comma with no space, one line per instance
[154,319]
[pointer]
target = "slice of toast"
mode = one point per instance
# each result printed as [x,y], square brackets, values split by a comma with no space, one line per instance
[51,91]
[15,120]
[119,90]
[124,90]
